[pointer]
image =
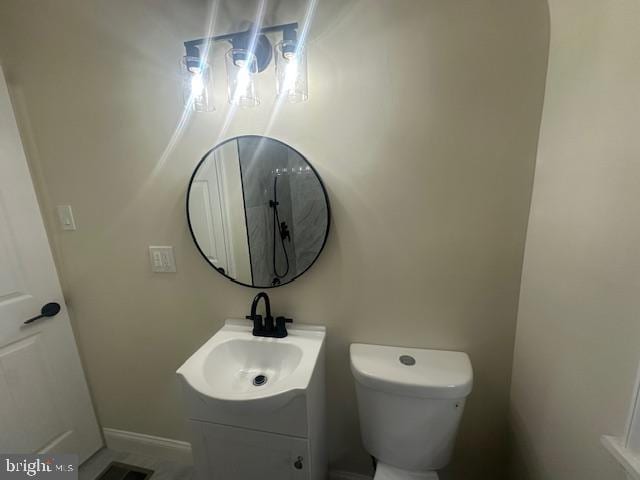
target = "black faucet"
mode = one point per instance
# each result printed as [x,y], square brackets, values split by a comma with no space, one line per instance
[267,328]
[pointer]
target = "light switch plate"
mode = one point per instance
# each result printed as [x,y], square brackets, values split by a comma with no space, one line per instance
[162,259]
[65,215]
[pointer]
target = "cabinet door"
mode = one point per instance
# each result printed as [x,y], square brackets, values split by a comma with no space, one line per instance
[228,453]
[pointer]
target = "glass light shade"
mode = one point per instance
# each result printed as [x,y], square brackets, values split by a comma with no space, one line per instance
[291,71]
[242,65]
[197,87]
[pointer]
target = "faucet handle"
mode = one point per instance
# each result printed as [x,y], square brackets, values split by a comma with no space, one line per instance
[280,321]
[257,322]
[281,329]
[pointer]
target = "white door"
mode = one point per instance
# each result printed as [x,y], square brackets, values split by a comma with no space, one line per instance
[206,207]
[206,221]
[44,400]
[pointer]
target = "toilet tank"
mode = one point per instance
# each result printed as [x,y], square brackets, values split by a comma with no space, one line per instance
[410,403]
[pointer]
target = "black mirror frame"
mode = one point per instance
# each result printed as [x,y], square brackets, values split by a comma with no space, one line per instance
[195,240]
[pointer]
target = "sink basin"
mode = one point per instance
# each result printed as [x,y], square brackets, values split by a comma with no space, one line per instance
[250,368]
[235,370]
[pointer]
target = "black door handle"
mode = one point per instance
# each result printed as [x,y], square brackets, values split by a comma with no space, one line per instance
[49,310]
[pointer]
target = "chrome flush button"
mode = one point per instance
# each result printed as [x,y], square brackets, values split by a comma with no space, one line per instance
[407,360]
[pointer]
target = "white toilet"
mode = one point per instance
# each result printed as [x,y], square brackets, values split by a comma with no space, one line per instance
[410,402]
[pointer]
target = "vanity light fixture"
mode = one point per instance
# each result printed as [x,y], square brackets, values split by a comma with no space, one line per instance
[251,53]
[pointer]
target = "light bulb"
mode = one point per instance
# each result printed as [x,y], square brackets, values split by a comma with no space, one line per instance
[242,82]
[290,76]
[291,71]
[196,84]
[241,65]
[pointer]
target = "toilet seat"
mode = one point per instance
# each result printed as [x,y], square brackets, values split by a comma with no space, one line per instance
[387,472]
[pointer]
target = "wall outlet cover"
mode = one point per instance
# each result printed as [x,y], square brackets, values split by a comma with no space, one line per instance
[162,259]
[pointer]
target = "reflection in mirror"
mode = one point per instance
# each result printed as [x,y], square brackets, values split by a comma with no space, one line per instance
[258,211]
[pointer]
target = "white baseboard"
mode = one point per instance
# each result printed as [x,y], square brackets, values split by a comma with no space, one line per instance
[628,459]
[176,450]
[141,444]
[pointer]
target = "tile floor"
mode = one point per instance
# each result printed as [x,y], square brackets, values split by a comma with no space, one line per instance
[163,469]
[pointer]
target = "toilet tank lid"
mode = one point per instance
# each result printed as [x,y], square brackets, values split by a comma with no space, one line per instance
[412,371]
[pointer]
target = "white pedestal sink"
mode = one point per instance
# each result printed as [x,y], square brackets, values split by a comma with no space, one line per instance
[256,405]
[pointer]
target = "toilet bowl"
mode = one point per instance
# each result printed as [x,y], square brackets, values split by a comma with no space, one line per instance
[410,403]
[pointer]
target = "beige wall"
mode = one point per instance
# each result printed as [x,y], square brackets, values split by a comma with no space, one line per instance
[577,344]
[422,120]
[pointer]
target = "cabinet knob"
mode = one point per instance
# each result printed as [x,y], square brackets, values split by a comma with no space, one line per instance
[298,463]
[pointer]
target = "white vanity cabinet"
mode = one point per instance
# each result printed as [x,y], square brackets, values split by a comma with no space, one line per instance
[226,453]
[246,428]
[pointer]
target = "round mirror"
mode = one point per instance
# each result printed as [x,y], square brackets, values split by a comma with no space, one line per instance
[258,211]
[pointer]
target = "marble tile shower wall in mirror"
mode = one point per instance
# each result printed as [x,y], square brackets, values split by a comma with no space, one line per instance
[258,211]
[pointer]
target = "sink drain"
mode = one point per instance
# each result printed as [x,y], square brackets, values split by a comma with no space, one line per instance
[259,380]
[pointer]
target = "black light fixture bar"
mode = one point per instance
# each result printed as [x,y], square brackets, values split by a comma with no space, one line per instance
[190,45]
